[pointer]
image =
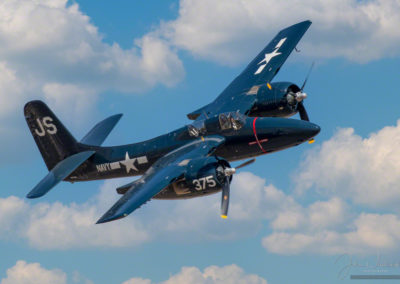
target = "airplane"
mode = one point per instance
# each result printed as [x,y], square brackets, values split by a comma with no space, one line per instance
[248,119]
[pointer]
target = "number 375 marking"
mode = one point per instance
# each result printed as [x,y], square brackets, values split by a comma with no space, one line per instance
[204,182]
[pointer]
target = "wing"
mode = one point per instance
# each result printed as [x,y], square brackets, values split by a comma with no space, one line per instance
[239,95]
[163,172]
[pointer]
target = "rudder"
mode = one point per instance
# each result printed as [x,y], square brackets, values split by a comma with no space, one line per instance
[54,141]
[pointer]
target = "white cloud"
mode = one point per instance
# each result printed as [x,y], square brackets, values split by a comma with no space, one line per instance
[321,214]
[322,227]
[230,274]
[361,170]
[33,273]
[366,234]
[11,90]
[62,226]
[137,281]
[50,50]
[365,170]
[51,42]
[58,226]
[235,29]
[80,100]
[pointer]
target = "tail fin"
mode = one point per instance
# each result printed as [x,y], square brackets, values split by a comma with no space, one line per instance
[54,141]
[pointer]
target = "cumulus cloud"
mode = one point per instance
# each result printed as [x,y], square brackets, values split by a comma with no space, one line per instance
[230,274]
[51,42]
[357,30]
[61,226]
[367,234]
[58,226]
[364,170]
[32,273]
[51,50]
[319,215]
[322,227]
[359,170]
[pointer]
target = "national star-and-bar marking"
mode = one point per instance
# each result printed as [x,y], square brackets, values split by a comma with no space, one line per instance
[269,56]
[128,162]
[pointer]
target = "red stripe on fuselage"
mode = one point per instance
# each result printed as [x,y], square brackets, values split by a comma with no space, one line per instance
[255,135]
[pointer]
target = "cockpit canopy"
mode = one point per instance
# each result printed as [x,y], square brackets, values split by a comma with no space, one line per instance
[231,120]
[224,122]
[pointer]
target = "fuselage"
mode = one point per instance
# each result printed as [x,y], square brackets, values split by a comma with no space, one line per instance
[254,137]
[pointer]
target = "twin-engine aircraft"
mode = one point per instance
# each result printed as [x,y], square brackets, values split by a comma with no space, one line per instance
[246,120]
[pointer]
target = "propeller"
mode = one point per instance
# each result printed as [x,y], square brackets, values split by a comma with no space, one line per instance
[226,187]
[246,163]
[225,198]
[300,96]
[308,75]
[302,112]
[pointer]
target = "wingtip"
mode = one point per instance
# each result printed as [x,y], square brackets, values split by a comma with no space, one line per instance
[301,25]
[119,115]
[308,22]
[100,221]
[109,218]
[31,196]
[224,216]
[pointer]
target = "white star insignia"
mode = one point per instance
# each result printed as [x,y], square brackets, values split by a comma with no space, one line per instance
[269,56]
[129,163]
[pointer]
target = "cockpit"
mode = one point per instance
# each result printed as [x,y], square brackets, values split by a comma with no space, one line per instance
[224,122]
[231,120]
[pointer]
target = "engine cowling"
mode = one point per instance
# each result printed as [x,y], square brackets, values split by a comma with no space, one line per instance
[279,99]
[206,174]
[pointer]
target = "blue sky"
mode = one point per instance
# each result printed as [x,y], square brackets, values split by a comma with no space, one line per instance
[293,213]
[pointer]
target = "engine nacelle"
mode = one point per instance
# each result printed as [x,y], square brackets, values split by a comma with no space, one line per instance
[280,100]
[205,174]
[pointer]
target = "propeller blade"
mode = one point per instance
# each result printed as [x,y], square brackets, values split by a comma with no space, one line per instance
[225,199]
[246,163]
[308,75]
[302,112]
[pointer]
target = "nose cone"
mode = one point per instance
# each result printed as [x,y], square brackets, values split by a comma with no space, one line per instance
[285,132]
[300,131]
[310,129]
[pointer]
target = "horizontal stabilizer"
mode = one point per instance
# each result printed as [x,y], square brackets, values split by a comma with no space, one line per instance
[62,170]
[101,130]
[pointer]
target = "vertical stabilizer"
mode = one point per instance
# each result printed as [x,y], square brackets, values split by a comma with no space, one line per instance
[54,141]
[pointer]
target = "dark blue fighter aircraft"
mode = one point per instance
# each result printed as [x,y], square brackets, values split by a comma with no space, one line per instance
[246,120]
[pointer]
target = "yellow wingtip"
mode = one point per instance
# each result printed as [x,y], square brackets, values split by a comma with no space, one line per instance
[269,86]
[224,216]
[311,141]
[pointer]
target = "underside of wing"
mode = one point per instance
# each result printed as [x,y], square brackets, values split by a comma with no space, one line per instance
[166,170]
[238,96]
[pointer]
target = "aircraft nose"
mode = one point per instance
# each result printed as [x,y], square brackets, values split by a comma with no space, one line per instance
[309,130]
[314,129]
